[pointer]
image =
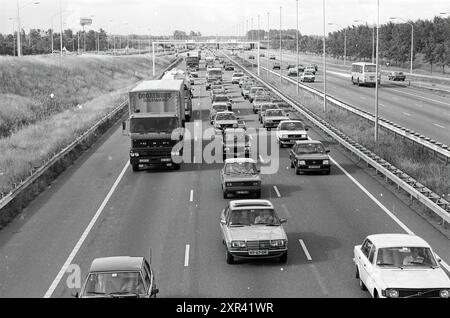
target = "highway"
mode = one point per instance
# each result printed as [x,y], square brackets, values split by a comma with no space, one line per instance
[98,207]
[421,111]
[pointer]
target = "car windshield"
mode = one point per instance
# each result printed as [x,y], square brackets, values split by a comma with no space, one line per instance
[292,126]
[369,68]
[114,283]
[309,148]
[255,89]
[268,106]
[262,98]
[308,74]
[221,99]
[225,116]
[274,112]
[214,72]
[237,137]
[253,217]
[238,75]
[220,107]
[406,257]
[150,125]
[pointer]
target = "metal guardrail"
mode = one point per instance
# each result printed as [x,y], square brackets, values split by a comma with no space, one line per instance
[416,190]
[433,145]
[34,175]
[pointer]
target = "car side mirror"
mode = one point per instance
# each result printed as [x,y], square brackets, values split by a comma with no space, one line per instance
[306,129]
[222,221]
[283,221]
[258,170]
[124,129]
[154,291]
[327,151]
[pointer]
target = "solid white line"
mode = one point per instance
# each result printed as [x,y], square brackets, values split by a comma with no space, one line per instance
[77,247]
[308,256]
[382,105]
[276,190]
[191,196]
[386,210]
[430,99]
[437,125]
[186,255]
[407,114]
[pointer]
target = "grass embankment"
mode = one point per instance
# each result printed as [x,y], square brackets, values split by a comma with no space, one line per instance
[413,160]
[84,91]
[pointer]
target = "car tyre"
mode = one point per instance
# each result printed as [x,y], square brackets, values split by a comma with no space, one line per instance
[297,172]
[357,273]
[225,195]
[283,258]
[361,285]
[230,258]
[292,164]
[135,167]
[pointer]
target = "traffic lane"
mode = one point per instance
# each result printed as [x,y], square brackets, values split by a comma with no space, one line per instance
[35,245]
[149,210]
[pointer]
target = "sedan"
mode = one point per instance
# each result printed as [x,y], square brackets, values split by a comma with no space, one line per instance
[309,156]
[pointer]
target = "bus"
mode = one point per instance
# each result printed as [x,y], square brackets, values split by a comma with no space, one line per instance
[364,74]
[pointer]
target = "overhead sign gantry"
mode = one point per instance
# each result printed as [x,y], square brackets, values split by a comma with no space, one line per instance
[190,43]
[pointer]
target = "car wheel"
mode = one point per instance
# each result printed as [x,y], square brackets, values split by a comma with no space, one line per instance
[292,164]
[297,172]
[135,167]
[230,258]
[361,285]
[283,258]
[225,195]
[358,83]
[357,273]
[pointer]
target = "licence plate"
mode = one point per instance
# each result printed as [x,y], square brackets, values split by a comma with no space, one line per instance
[260,252]
[293,140]
[144,160]
[314,167]
[241,192]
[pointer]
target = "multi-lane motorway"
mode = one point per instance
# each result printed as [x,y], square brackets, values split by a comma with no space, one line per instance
[99,207]
[421,111]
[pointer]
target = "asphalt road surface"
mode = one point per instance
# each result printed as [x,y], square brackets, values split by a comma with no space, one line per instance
[424,112]
[98,207]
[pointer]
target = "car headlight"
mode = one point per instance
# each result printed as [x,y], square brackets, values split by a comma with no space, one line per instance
[301,162]
[227,149]
[256,183]
[134,154]
[445,293]
[228,184]
[392,293]
[326,162]
[277,243]
[238,244]
[284,136]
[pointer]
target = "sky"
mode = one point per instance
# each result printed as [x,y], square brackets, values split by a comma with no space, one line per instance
[210,17]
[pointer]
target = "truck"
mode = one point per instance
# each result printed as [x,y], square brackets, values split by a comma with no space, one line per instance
[179,74]
[193,60]
[156,124]
[213,74]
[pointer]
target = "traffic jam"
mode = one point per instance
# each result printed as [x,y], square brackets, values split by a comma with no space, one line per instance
[249,225]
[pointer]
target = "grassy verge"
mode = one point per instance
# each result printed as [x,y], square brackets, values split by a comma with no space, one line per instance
[413,160]
[25,149]
[34,88]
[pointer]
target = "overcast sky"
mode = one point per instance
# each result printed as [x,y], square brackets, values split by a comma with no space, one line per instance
[210,17]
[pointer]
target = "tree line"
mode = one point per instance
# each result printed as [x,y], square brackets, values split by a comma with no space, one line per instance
[431,42]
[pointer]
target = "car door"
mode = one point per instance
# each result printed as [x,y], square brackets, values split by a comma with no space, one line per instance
[370,269]
[363,260]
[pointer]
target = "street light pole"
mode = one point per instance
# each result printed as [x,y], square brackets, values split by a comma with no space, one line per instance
[412,40]
[376,79]
[281,53]
[324,64]
[19,49]
[61,28]
[298,75]
[268,44]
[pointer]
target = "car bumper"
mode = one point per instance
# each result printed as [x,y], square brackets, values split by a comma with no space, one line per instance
[310,169]
[242,189]
[291,141]
[246,254]
[161,161]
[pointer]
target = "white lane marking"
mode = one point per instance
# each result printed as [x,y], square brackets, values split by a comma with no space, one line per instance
[191,196]
[422,97]
[407,114]
[382,105]
[186,255]
[305,250]
[276,190]
[386,210]
[437,125]
[77,247]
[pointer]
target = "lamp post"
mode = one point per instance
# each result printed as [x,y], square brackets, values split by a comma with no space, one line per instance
[345,40]
[281,53]
[376,79]
[19,47]
[324,63]
[298,75]
[412,40]
[14,40]
[268,44]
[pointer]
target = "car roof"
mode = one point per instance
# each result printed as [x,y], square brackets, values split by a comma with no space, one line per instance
[254,204]
[116,263]
[159,85]
[240,160]
[220,104]
[235,130]
[291,121]
[308,142]
[397,240]
[226,112]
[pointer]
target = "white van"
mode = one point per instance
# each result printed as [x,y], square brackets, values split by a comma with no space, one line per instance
[364,74]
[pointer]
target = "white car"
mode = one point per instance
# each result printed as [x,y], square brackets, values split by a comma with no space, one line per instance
[310,69]
[292,71]
[223,120]
[399,266]
[289,131]
[307,77]
[236,77]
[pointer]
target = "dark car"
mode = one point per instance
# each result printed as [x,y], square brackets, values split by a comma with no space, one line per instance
[229,67]
[251,57]
[236,143]
[396,76]
[240,176]
[290,66]
[276,66]
[119,277]
[309,156]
